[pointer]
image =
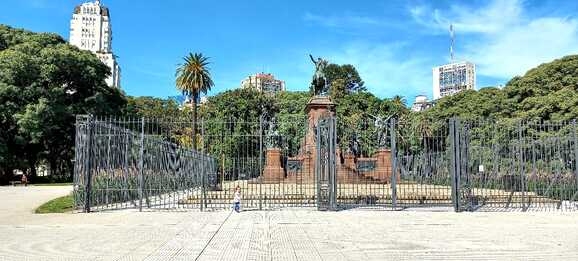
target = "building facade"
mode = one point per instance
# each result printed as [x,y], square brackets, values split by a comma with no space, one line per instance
[91,30]
[264,82]
[421,103]
[453,78]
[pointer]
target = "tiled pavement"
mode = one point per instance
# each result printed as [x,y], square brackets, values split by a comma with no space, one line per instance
[295,234]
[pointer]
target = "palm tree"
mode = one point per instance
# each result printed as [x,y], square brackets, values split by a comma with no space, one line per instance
[398,100]
[193,77]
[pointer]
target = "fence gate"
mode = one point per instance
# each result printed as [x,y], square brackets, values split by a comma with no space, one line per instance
[325,165]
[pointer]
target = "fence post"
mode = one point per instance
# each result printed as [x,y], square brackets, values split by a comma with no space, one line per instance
[454,150]
[575,160]
[333,163]
[392,134]
[260,161]
[204,172]
[203,183]
[141,166]
[88,181]
[522,161]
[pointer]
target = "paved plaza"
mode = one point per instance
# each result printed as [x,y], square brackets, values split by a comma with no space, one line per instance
[290,234]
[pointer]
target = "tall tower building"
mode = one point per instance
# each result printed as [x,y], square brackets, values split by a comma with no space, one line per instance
[90,30]
[453,78]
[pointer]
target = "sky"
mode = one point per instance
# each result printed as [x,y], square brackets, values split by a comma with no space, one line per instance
[393,44]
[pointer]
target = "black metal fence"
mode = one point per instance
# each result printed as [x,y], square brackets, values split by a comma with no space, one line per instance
[516,165]
[129,163]
[330,164]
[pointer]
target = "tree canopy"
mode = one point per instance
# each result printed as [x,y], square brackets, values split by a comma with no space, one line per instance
[44,83]
[547,92]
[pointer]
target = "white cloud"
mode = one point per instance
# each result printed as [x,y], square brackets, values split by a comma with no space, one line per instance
[384,71]
[500,38]
[524,47]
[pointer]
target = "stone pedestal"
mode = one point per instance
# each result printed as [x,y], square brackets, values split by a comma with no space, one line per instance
[273,172]
[347,172]
[349,161]
[383,166]
[318,107]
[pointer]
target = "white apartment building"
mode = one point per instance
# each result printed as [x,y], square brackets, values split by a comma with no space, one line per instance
[264,82]
[90,29]
[453,78]
[421,103]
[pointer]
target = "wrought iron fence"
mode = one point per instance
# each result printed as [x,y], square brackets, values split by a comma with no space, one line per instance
[136,163]
[332,164]
[517,165]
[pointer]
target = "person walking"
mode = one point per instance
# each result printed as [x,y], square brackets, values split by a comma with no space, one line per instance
[237,199]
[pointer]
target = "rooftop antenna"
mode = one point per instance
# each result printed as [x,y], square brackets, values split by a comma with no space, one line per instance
[452,43]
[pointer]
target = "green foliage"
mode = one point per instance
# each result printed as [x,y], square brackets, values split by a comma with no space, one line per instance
[150,107]
[343,79]
[346,73]
[194,78]
[242,105]
[57,205]
[547,92]
[485,103]
[44,83]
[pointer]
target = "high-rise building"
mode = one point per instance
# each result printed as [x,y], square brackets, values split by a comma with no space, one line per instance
[264,82]
[453,78]
[90,30]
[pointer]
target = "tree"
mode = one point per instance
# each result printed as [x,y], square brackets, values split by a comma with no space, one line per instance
[151,107]
[240,105]
[547,92]
[44,84]
[348,76]
[193,78]
[338,89]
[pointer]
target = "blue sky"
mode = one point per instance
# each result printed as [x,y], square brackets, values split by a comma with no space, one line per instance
[393,44]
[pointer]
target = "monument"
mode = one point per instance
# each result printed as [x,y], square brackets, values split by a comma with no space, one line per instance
[319,106]
[301,168]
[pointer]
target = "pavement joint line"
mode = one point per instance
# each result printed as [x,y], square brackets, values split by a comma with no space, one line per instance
[213,236]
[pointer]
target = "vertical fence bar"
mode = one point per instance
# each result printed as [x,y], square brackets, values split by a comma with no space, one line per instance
[88,182]
[393,154]
[522,162]
[454,163]
[260,184]
[204,173]
[575,161]
[141,166]
[333,164]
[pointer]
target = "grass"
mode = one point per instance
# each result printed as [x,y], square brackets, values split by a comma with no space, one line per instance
[57,205]
[52,184]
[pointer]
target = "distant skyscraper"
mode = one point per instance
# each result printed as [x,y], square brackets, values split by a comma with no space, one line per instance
[264,82]
[90,29]
[453,78]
